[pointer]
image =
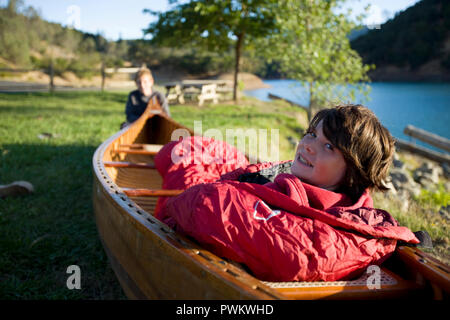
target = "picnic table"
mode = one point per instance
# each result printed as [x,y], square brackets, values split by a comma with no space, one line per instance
[200,89]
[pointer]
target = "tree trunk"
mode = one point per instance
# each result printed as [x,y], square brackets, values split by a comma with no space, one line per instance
[311,102]
[103,75]
[52,75]
[238,48]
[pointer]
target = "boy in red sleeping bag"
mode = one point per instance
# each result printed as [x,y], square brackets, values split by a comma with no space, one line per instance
[303,220]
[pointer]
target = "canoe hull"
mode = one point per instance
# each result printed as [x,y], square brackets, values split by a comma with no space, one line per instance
[151,261]
[145,262]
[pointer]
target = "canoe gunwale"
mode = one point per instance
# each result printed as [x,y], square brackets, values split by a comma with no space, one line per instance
[224,277]
[238,280]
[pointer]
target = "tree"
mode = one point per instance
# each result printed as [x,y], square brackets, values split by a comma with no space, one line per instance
[214,24]
[14,39]
[14,6]
[311,46]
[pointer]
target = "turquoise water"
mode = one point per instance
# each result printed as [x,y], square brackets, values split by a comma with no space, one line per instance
[423,105]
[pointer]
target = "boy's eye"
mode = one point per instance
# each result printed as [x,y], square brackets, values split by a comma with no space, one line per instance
[312,134]
[329,146]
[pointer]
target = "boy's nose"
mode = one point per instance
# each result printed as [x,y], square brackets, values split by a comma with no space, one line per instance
[305,145]
[309,148]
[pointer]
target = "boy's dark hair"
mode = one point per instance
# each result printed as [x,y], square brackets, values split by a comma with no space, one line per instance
[366,145]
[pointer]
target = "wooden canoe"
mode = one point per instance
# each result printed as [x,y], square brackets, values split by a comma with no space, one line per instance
[151,261]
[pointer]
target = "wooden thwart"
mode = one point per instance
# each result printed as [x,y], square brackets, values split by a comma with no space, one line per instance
[134,151]
[151,192]
[139,148]
[120,164]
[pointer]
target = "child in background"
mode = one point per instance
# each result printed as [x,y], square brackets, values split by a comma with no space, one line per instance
[138,99]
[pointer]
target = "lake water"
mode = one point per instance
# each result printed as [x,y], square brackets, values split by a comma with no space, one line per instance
[423,105]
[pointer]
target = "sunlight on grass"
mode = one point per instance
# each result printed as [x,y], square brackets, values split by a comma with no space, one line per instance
[281,117]
[44,233]
[419,216]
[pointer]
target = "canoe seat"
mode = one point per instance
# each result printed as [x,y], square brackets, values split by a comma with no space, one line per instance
[390,286]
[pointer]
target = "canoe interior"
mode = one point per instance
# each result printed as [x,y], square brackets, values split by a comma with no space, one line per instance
[152,261]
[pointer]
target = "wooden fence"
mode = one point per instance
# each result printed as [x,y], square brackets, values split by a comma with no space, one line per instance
[427,137]
[103,71]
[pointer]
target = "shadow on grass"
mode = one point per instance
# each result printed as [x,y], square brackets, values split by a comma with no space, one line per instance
[45,232]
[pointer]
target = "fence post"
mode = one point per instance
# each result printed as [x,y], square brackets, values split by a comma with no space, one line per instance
[103,75]
[51,74]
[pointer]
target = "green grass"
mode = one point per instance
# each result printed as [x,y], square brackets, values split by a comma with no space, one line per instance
[421,214]
[437,198]
[250,113]
[44,233]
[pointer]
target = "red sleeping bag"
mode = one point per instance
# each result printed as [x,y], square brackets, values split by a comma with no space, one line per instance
[284,230]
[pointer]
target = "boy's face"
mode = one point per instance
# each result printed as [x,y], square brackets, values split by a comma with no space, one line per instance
[145,84]
[318,162]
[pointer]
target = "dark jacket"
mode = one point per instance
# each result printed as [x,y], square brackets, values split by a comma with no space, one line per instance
[137,103]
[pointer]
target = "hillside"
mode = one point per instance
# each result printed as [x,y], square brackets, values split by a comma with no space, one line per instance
[29,42]
[413,46]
